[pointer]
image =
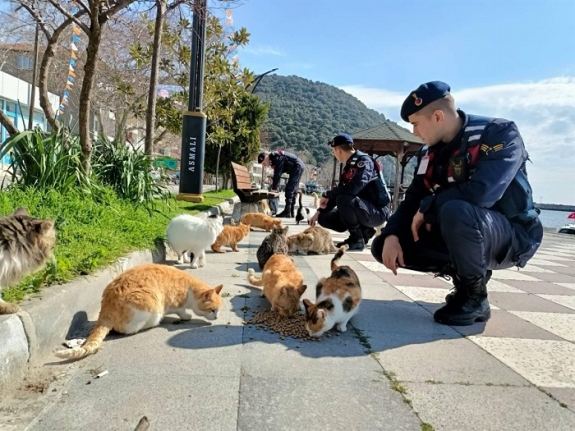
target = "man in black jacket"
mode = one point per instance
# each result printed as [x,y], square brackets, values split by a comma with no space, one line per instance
[468,210]
[288,163]
[360,201]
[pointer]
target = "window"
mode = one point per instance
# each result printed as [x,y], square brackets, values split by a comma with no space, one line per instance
[25,62]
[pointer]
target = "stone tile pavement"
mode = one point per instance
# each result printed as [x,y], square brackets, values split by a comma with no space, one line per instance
[394,369]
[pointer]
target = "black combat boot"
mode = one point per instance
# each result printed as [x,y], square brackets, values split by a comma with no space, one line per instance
[355,241]
[456,282]
[367,233]
[468,305]
[286,212]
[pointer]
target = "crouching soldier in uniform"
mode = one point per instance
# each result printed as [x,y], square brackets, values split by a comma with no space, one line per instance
[360,201]
[468,210]
[284,162]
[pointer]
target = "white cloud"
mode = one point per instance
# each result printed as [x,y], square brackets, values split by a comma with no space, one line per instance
[263,50]
[544,112]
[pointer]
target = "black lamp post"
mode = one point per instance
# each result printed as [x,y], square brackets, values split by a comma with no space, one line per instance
[194,123]
[259,78]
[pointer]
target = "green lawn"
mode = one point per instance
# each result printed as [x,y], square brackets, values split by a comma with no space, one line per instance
[92,234]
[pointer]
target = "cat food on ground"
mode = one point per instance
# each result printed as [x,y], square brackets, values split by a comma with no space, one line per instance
[285,326]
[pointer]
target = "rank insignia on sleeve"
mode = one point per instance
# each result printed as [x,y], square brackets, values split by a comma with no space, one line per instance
[491,149]
[361,164]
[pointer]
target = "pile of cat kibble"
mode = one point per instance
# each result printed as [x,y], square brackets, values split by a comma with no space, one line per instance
[284,326]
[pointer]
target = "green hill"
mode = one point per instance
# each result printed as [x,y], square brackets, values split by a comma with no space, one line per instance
[304,115]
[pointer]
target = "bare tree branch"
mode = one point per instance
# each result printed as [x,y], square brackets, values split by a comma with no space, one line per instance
[68,15]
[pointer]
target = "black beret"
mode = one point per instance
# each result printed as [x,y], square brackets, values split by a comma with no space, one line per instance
[341,139]
[261,157]
[423,96]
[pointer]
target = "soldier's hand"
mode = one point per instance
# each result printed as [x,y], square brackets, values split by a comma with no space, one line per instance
[416,224]
[392,255]
[313,220]
[323,202]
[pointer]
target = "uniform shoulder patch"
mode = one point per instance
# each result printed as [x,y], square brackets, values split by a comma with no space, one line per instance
[487,149]
[361,164]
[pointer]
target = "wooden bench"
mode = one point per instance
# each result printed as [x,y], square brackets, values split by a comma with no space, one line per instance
[243,186]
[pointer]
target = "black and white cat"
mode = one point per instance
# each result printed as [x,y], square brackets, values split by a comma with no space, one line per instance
[305,213]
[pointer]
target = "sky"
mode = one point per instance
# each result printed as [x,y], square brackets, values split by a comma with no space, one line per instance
[508,58]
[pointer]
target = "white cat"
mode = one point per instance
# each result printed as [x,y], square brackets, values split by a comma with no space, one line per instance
[189,235]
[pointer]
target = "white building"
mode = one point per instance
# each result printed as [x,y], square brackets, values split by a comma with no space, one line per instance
[15,102]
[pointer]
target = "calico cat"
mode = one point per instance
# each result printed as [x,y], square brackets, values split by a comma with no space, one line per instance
[189,235]
[140,297]
[337,299]
[304,213]
[274,243]
[261,221]
[230,236]
[282,284]
[26,244]
[314,239]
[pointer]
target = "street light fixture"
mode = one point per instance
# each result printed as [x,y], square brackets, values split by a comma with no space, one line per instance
[259,78]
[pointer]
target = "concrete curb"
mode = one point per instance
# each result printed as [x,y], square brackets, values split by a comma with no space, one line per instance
[45,322]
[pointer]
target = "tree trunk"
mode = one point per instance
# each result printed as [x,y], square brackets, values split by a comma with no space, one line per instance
[218,166]
[43,81]
[161,6]
[86,93]
[6,121]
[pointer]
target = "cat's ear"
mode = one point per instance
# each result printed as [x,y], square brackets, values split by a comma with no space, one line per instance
[219,288]
[321,313]
[307,304]
[20,211]
[301,289]
[44,226]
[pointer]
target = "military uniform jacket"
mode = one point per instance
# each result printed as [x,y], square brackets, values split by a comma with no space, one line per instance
[357,179]
[283,162]
[485,166]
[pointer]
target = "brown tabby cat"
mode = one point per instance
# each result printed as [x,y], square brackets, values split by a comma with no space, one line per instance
[26,243]
[140,297]
[282,284]
[230,236]
[314,239]
[261,221]
[274,243]
[337,299]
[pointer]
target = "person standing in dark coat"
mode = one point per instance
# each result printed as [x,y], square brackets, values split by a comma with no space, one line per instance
[284,162]
[468,210]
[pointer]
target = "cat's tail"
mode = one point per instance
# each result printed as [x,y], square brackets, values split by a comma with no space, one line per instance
[253,279]
[337,257]
[299,198]
[315,200]
[92,345]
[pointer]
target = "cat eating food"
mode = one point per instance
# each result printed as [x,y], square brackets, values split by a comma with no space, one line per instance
[312,240]
[189,235]
[230,236]
[274,243]
[261,221]
[337,299]
[140,297]
[282,284]
[304,213]
[26,244]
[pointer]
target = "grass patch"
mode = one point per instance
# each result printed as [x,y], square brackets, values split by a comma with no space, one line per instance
[91,234]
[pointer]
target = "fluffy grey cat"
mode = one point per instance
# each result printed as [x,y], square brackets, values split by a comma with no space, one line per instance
[26,243]
[274,243]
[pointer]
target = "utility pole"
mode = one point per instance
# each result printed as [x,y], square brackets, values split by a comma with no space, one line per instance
[259,78]
[194,123]
[33,90]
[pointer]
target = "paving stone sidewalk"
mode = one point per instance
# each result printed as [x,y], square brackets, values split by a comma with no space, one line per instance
[394,369]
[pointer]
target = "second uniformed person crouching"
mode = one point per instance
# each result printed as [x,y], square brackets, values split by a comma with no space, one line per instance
[361,200]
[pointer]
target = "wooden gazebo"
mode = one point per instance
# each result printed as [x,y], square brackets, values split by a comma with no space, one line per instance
[389,139]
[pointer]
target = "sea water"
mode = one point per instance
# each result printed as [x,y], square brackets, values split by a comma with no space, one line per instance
[554,219]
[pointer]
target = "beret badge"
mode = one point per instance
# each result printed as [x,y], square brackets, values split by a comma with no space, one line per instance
[418,100]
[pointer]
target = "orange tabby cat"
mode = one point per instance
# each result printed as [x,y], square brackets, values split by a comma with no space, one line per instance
[139,298]
[261,221]
[282,284]
[337,299]
[230,236]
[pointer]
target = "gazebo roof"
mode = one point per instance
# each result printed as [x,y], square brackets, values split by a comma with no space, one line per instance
[386,139]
